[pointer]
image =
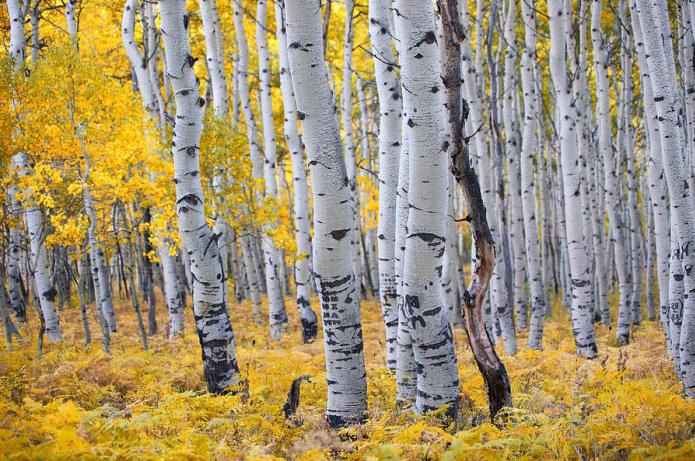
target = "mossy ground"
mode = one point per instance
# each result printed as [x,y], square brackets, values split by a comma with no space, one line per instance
[134,404]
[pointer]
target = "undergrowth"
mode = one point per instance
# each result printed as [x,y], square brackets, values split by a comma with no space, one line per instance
[139,405]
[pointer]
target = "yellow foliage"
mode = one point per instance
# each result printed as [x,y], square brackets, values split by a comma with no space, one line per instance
[138,404]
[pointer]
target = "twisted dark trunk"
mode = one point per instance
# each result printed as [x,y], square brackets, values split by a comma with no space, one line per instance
[490,366]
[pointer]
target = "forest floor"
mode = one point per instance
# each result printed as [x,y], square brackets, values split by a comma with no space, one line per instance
[136,404]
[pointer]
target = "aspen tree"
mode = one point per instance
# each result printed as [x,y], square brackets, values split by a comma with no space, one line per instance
[210,312]
[658,192]
[528,190]
[302,269]
[241,71]
[655,28]
[333,217]
[37,258]
[276,302]
[390,107]
[581,284]
[346,105]
[610,175]
[424,112]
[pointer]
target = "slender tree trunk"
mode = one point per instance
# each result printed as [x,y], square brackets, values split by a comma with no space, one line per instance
[658,192]
[424,110]
[528,151]
[333,219]
[17,48]
[129,262]
[14,259]
[83,277]
[212,321]
[505,301]
[302,268]
[611,179]
[350,155]
[655,27]
[390,105]
[489,364]
[276,303]
[581,309]
[38,258]
[10,328]
[252,276]
[242,71]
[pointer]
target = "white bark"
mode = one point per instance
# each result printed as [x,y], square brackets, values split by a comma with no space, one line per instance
[655,28]
[371,271]
[406,370]
[528,151]
[17,48]
[302,268]
[16,53]
[581,309]
[390,119]
[16,299]
[38,262]
[658,191]
[171,289]
[252,277]
[424,110]
[97,262]
[276,302]
[242,72]
[333,218]
[210,312]
[634,219]
[513,170]
[610,175]
[214,56]
[148,85]
[70,18]
[350,155]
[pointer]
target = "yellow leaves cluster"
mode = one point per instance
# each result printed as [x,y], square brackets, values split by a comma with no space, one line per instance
[369,201]
[82,128]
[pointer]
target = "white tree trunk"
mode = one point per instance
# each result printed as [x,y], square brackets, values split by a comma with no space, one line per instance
[210,312]
[17,48]
[14,259]
[513,169]
[38,262]
[171,288]
[390,106]
[333,218]
[214,56]
[16,53]
[350,155]
[633,210]
[580,273]
[658,191]
[276,302]
[148,85]
[302,268]
[424,110]
[610,175]
[242,72]
[252,277]
[655,28]
[528,151]
[70,18]
[98,264]
[371,264]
